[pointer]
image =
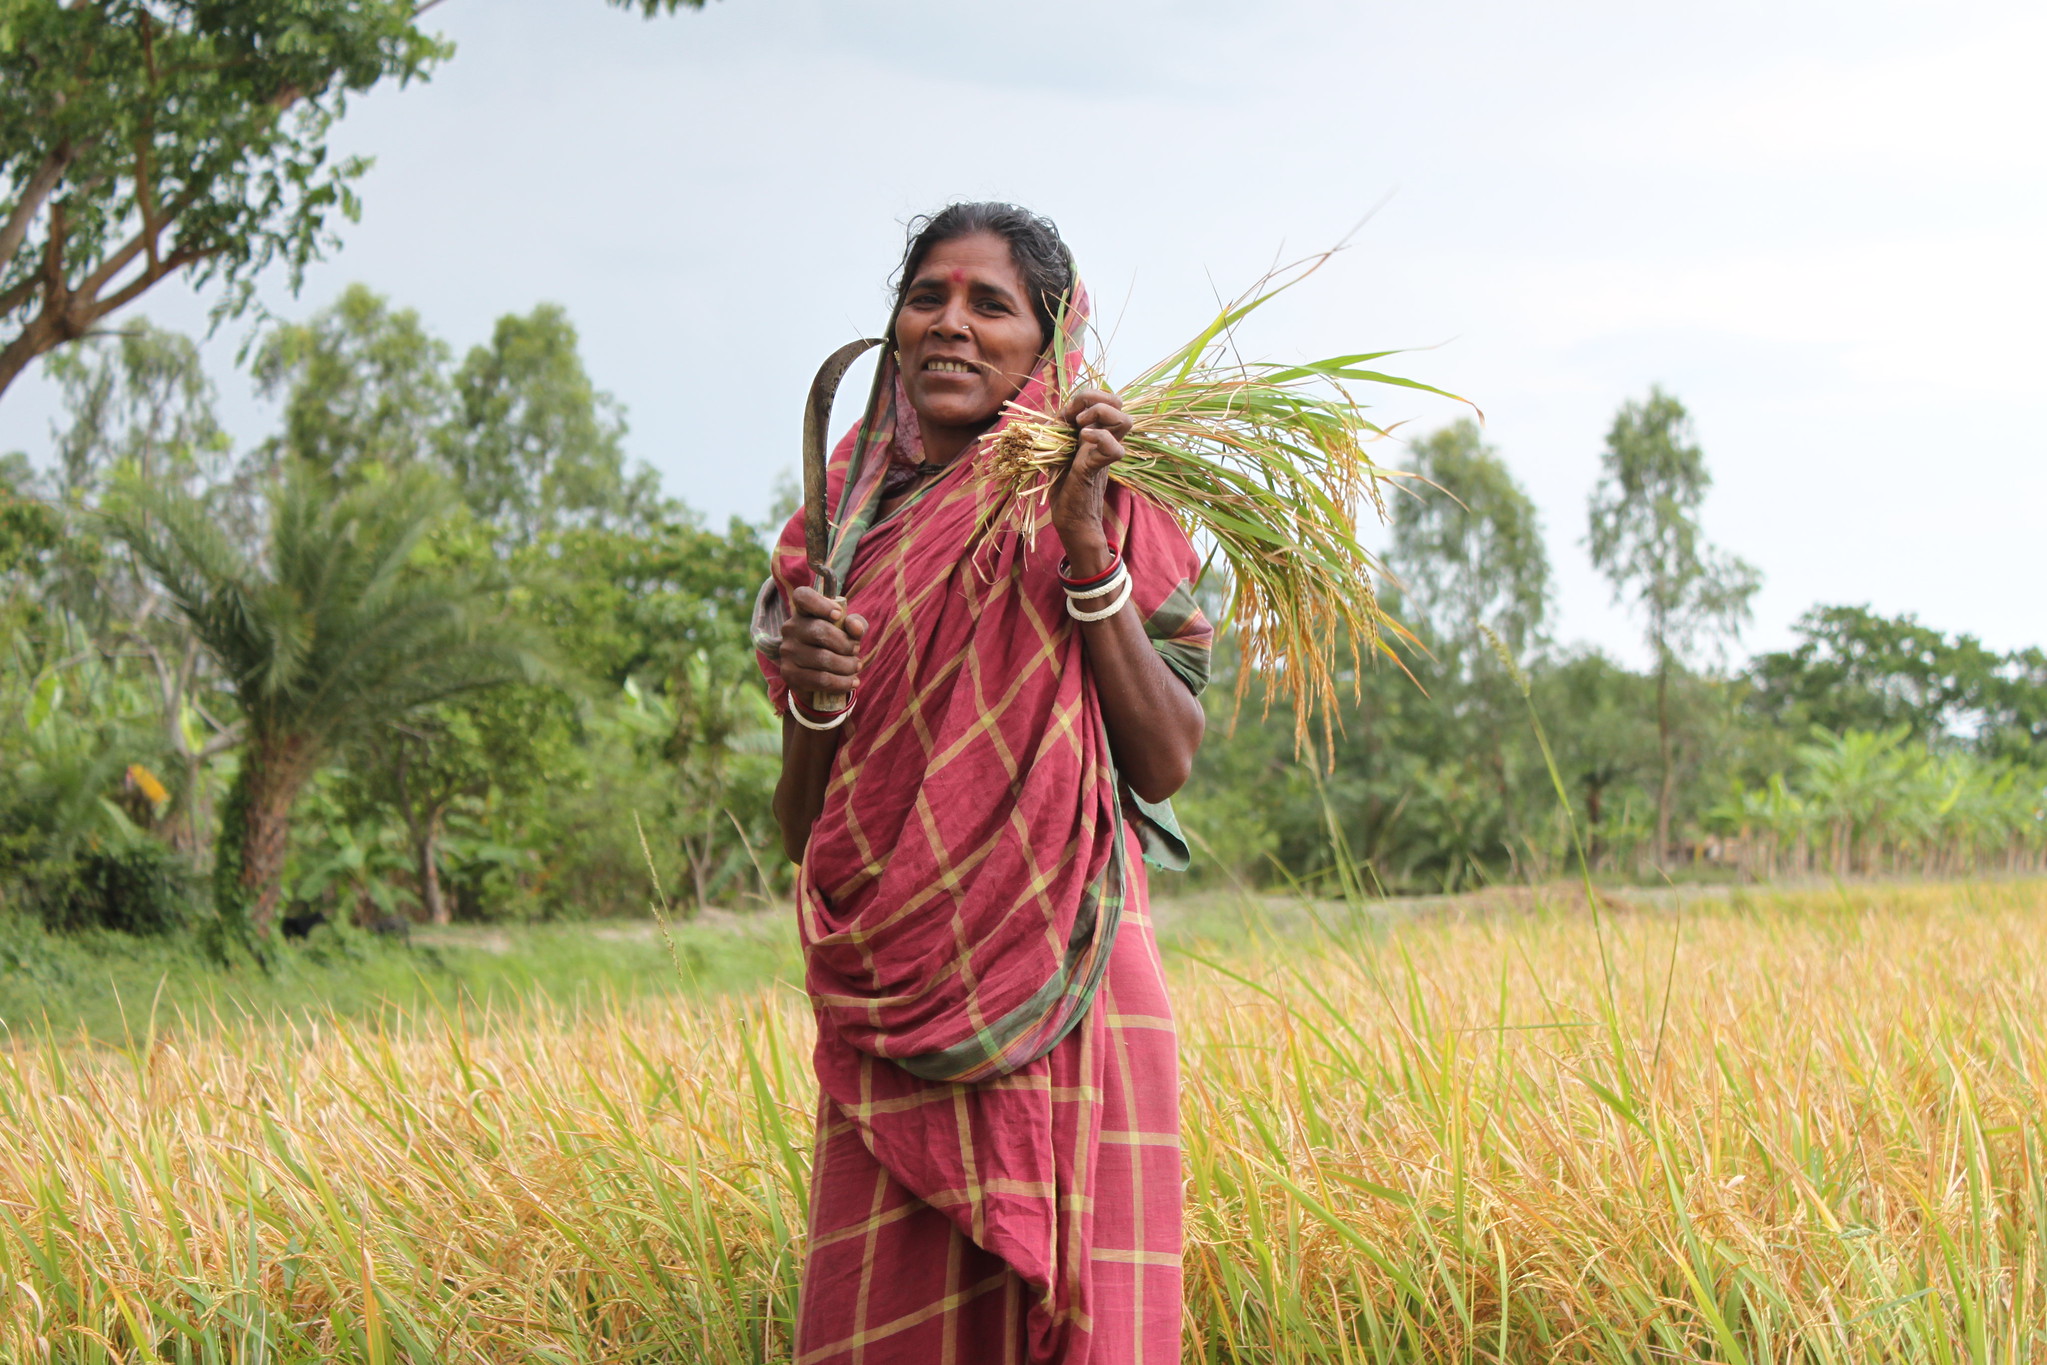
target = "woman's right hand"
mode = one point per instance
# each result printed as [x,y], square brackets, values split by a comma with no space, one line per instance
[820,644]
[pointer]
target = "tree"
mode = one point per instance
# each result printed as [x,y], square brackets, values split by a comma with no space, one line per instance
[1467,546]
[642,605]
[534,446]
[142,402]
[1855,670]
[2015,716]
[361,382]
[331,631]
[139,138]
[1592,709]
[141,409]
[29,529]
[1645,536]
[449,757]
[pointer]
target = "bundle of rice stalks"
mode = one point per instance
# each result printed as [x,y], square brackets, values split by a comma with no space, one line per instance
[1265,466]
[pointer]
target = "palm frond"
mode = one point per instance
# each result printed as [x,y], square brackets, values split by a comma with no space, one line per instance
[339,627]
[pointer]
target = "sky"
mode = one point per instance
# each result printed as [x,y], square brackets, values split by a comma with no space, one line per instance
[1819,224]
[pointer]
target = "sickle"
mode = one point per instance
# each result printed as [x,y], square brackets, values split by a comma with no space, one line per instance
[817,416]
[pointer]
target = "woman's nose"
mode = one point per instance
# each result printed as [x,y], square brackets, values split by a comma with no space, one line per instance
[953,322]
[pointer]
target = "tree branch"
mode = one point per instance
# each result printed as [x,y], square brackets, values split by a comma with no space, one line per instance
[221,742]
[17,296]
[170,265]
[33,195]
[145,201]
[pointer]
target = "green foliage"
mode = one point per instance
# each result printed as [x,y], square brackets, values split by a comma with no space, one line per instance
[1467,547]
[138,139]
[640,605]
[29,529]
[1645,533]
[362,383]
[141,887]
[141,404]
[533,445]
[1871,802]
[1856,670]
[328,634]
[76,814]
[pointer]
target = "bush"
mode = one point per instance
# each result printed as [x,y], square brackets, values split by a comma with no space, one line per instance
[137,888]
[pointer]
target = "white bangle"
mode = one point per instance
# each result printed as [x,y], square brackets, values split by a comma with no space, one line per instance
[1101,589]
[796,710]
[1123,597]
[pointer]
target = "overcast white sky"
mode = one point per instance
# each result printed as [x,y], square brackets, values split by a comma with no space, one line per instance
[1820,224]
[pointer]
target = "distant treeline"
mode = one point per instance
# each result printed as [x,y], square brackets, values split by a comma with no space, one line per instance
[434,650]
[1874,745]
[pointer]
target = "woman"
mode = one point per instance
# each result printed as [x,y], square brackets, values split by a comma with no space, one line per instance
[997,1171]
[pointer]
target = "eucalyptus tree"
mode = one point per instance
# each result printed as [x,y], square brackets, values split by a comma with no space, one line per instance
[139,401]
[1468,547]
[535,446]
[1645,537]
[360,382]
[1474,580]
[330,631]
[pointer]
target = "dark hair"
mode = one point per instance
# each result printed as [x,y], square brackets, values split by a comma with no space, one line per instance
[1034,244]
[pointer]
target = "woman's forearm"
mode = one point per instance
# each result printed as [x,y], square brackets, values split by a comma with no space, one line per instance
[1154,722]
[799,795]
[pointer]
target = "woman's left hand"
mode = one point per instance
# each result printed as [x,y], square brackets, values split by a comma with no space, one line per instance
[1077,494]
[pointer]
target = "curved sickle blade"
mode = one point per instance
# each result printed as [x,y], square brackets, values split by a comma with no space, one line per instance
[817,415]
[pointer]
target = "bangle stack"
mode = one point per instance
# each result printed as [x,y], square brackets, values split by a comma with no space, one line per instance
[796,710]
[1114,579]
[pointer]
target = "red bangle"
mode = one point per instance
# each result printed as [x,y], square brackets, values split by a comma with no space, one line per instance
[1092,580]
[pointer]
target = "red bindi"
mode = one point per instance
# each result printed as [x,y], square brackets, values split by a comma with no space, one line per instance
[959,276]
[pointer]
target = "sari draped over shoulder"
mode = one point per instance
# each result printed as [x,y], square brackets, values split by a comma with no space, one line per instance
[962,890]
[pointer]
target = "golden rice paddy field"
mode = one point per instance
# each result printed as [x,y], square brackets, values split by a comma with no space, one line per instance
[1778,1127]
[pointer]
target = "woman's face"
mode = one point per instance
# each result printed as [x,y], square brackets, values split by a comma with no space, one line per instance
[966,335]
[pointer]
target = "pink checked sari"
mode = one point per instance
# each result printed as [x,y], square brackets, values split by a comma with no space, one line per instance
[997,1171]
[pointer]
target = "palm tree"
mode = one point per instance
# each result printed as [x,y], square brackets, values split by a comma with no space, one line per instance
[332,629]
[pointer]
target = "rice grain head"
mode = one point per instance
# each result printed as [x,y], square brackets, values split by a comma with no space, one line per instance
[1266,467]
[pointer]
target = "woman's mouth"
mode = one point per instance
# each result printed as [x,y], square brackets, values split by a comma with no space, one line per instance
[950,367]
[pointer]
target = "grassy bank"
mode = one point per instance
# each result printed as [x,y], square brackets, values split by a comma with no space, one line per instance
[1803,1126]
[108,987]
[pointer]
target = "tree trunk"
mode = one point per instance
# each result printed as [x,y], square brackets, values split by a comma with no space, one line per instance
[1667,777]
[698,856]
[190,816]
[15,356]
[426,856]
[256,828]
